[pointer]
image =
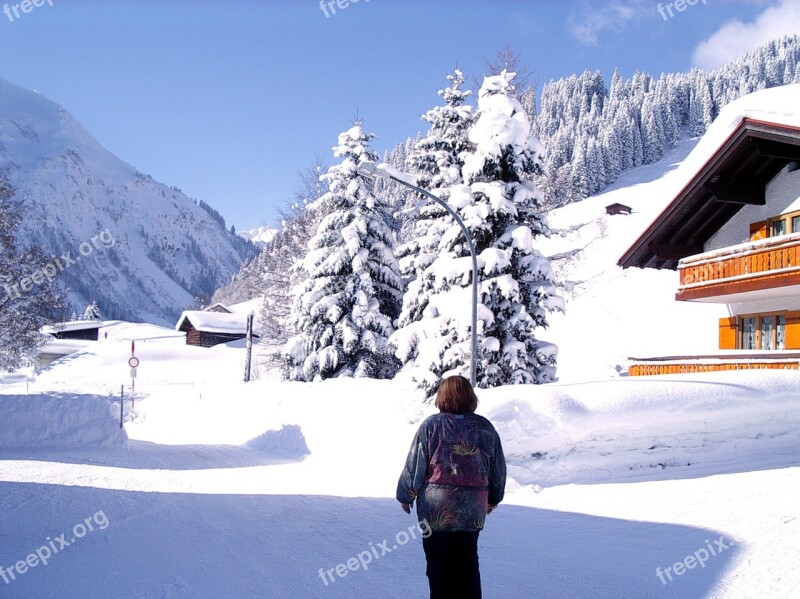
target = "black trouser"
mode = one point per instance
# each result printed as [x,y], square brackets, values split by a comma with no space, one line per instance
[453,565]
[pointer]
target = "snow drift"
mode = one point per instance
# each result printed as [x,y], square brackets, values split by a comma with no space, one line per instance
[60,421]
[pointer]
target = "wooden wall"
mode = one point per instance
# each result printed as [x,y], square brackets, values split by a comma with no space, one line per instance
[677,368]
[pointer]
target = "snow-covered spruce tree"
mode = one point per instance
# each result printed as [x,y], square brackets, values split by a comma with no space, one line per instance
[503,210]
[29,294]
[345,308]
[501,207]
[92,312]
[436,160]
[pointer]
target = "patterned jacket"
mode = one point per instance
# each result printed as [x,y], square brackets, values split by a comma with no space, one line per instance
[454,470]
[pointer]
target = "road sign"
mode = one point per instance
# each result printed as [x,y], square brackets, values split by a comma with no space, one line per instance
[133,373]
[133,362]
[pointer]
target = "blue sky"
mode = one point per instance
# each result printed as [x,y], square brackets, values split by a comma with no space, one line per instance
[228,100]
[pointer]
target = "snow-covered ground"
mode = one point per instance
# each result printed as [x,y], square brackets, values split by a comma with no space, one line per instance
[680,486]
[216,488]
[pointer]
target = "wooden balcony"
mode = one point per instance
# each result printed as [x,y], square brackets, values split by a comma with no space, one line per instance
[764,268]
[738,360]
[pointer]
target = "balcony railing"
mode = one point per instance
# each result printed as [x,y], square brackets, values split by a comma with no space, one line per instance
[756,265]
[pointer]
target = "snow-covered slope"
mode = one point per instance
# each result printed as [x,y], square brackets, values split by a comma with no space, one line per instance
[144,251]
[613,314]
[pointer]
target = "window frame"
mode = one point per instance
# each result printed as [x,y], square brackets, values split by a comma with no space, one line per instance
[788,223]
[757,341]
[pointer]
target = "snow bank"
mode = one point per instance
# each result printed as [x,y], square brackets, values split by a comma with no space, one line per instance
[634,428]
[288,442]
[59,421]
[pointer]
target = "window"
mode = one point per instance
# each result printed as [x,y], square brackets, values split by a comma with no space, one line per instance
[749,333]
[782,224]
[780,332]
[763,331]
[767,332]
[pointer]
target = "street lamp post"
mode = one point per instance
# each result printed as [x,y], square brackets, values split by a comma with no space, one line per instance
[371,171]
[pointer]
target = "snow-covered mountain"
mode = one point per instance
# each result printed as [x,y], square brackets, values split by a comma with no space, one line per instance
[261,236]
[143,250]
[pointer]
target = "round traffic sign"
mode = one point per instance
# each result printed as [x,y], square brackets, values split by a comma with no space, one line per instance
[133,362]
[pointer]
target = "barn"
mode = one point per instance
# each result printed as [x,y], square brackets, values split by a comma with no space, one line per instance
[76,330]
[207,329]
[617,208]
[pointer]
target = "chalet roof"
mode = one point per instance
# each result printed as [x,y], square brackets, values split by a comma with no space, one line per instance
[741,152]
[73,325]
[219,307]
[213,322]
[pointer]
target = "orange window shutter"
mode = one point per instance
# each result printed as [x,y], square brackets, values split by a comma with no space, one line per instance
[758,230]
[728,332]
[793,330]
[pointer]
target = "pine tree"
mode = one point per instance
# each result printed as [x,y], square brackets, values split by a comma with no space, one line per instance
[501,207]
[516,281]
[29,294]
[92,312]
[701,105]
[646,115]
[344,309]
[437,160]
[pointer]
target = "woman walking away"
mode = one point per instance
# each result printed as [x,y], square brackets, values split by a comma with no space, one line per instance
[456,472]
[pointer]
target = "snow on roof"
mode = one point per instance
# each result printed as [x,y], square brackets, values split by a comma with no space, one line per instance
[73,325]
[218,307]
[777,105]
[253,305]
[215,322]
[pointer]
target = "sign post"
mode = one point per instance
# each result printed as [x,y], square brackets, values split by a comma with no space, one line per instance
[249,345]
[134,364]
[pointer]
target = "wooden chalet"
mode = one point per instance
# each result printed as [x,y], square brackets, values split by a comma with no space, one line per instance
[75,330]
[205,328]
[617,208]
[733,235]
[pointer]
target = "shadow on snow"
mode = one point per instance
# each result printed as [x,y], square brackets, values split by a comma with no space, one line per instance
[192,545]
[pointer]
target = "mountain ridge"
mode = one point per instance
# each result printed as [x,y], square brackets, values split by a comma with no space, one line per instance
[167,250]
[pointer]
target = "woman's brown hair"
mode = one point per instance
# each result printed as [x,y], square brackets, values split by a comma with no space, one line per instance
[456,396]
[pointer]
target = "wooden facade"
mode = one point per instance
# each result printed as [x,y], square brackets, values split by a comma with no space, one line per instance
[649,369]
[617,208]
[200,338]
[755,279]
